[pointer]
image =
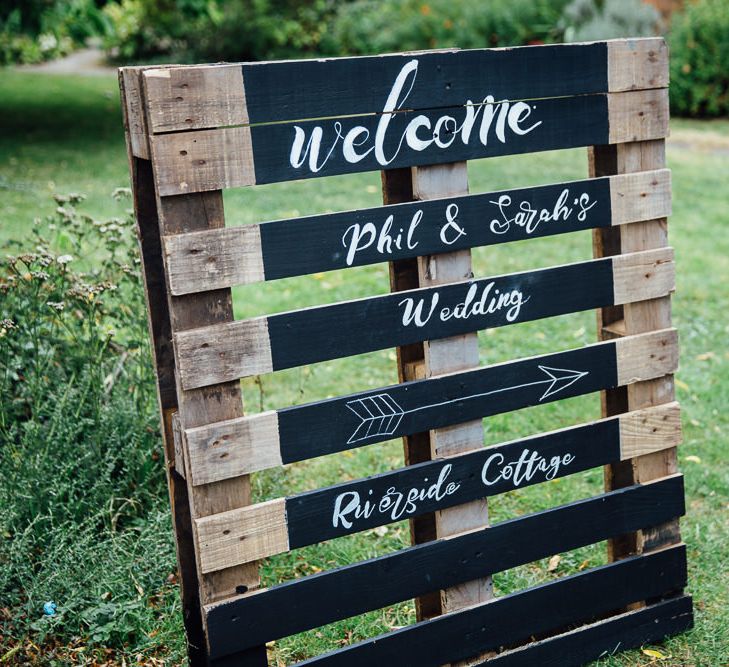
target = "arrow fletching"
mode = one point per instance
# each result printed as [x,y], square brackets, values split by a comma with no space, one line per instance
[561,379]
[380,416]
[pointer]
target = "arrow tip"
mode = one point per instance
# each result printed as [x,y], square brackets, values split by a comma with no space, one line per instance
[561,379]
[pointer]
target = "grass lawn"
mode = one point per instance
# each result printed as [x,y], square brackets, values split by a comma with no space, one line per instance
[61,134]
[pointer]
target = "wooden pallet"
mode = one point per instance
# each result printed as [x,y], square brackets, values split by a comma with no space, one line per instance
[416,117]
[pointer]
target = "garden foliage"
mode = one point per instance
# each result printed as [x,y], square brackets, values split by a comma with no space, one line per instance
[84,521]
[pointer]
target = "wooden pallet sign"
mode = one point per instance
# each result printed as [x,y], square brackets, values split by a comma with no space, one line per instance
[417,118]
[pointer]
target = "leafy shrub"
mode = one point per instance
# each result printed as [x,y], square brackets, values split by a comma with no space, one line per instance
[83,507]
[592,20]
[33,30]
[369,26]
[699,42]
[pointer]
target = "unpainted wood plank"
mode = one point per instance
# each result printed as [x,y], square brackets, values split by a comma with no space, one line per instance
[641,196]
[234,447]
[191,98]
[635,64]
[223,352]
[135,120]
[448,355]
[214,259]
[640,115]
[203,160]
[649,355]
[650,430]
[242,535]
[643,275]
[158,318]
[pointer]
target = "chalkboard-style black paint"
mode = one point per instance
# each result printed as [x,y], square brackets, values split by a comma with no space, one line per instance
[364,325]
[331,512]
[519,616]
[339,87]
[582,646]
[354,589]
[337,424]
[557,123]
[387,233]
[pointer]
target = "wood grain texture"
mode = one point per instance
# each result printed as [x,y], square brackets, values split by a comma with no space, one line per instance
[635,64]
[233,447]
[191,98]
[641,196]
[135,119]
[214,259]
[242,535]
[354,589]
[248,254]
[215,95]
[638,115]
[225,352]
[307,518]
[158,319]
[647,356]
[643,275]
[582,645]
[650,430]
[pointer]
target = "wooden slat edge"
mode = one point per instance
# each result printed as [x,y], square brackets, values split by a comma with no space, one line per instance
[638,115]
[203,160]
[202,261]
[242,535]
[640,196]
[643,275]
[603,638]
[199,97]
[645,356]
[650,430]
[134,117]
[219,258]
[233,448]
[247,351]
[635,64]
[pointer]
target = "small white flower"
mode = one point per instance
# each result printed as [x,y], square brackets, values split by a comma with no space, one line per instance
[64,259]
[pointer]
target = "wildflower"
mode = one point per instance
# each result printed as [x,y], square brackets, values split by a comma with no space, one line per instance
[57,305]
[64,259]
[49,608]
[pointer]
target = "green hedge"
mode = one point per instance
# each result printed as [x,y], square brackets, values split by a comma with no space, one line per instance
[699,42]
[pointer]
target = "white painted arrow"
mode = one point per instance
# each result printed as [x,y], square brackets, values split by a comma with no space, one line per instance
[380,414]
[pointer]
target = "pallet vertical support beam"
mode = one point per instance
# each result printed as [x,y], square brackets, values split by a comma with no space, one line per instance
[437,358]
[630,319]
[158,317]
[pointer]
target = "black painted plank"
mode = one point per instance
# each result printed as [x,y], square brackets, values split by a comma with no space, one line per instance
[350,507]
[355,238]
[517,617]
[342,86]
[603,638]
[364,325]
[336,424]
[284,152]
[323,598]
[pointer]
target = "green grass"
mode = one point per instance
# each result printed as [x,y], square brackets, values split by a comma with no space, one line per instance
[64,134]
